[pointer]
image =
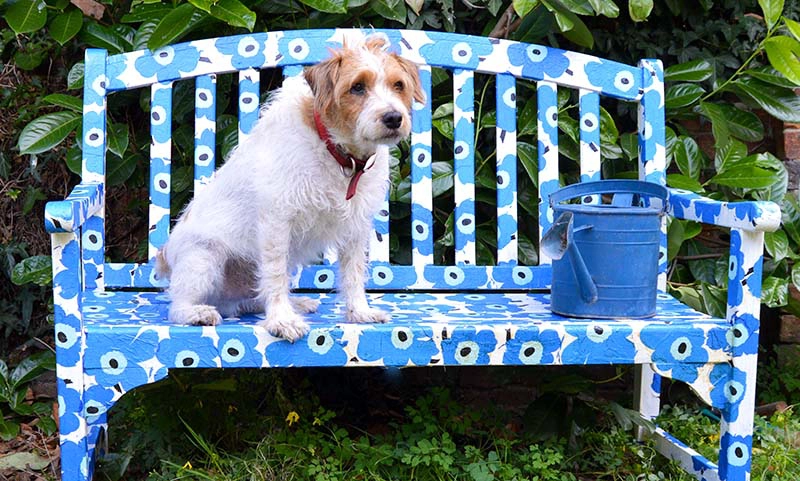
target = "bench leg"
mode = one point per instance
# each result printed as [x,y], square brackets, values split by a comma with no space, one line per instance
[647,395]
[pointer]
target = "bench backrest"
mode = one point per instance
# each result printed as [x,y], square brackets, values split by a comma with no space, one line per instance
[464,56]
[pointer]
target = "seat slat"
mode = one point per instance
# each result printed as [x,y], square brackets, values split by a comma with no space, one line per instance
[205,130]
[464,165]
[421,175]
[506,135]
[589,122]
[160,160]
[547,153]
[249,83]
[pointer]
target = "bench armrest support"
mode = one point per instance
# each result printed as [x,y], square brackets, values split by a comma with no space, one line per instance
[68,215]
[751,216]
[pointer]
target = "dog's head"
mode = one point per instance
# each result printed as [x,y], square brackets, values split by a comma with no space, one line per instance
[364,94]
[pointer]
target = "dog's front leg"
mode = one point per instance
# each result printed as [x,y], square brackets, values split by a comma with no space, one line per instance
[281,319]
[352,272]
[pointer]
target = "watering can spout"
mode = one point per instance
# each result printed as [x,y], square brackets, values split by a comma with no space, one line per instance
[557,241]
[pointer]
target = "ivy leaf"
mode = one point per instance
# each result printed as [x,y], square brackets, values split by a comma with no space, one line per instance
[683,95]
[66,25]
[47,131]
[694,71]
[26,16]
[745,176]
[327,6]
[640,9]
[783,52]
[772,11]
[33,270]
[524,7]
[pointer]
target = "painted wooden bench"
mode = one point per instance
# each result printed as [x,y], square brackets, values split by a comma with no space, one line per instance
[110,318]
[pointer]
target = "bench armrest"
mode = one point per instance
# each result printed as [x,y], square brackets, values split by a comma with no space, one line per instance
[69,214]
[751,216]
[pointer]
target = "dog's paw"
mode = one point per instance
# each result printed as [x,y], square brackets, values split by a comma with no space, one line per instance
[304,305]
[368,315]
[197,315]
[286,324]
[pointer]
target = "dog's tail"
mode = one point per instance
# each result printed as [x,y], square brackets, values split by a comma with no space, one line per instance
[162,266]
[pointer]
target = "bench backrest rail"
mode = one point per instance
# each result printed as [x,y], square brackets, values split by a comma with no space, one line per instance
[462,55]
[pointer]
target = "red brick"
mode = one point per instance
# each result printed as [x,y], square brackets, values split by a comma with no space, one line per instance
[790,144]
[790,329]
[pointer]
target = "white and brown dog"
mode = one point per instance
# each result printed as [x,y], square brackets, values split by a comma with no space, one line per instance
[281,199]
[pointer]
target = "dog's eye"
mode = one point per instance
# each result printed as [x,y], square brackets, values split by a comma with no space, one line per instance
[357,89]
[399,86]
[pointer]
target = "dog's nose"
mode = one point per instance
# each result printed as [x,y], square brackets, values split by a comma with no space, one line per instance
[392,120]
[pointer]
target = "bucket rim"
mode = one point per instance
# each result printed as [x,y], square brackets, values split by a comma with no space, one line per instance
[612,186]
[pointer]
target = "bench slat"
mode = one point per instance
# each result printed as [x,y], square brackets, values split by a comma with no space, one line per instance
[464,165]
[421,175]
[249,81]
[160,160]
[205,130]
[547,154]
[506,139]
[589,122]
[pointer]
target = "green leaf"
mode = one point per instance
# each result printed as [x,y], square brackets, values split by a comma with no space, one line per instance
[177,23]
[772,11]
[100,36]
[779,102]
[27,16]
[777,244]
[146,12]
[396,12]
[31,367]
[65,26]
[47,131]
[694,71]
[640,9]
[783,52]
[118,138]
[775,291]
[746,176]
[688,157]
[683,95]
[793,27]
[579,7]
[715,299]
[23,462]
[579,34]
[416,6]
[234,13]
[67,101]
[35,269]
[442,178]
[8,430]
[143,34]
[524,7]
[605,7]
[771,76]
[729,154]
[742,124]
[528,255]
[530,162]
[796,275]
[327,6]
[120,169]
[75,76]
[680,181]
[74,159]
[719,123]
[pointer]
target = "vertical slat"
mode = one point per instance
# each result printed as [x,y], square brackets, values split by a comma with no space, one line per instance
[590,139]
[248,101]
[160,159]
[94,164]
[421,176]
[464,165]
[547,153]
[205,130]
[506,133]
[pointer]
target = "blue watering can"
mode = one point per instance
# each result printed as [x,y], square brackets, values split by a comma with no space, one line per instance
[610,269]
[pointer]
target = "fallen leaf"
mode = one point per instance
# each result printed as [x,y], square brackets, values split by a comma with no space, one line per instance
[90,8]
[23,461]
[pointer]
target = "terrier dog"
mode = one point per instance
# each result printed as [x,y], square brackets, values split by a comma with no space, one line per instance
[281,199]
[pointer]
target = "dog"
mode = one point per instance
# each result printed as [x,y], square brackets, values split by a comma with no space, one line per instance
[309,178]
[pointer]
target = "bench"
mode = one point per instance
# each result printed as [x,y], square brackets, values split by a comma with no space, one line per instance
[110,317]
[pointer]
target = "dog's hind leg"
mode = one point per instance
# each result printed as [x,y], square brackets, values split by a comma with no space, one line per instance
[195,280]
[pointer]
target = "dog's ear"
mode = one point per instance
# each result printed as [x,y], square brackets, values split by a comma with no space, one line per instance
[413,74]
[322,79]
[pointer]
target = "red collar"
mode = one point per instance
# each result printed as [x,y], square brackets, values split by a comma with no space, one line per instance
[356,166]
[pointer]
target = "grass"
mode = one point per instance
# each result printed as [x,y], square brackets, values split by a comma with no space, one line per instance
[304,425]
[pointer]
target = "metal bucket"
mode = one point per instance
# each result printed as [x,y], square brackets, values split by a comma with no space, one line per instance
[611,267]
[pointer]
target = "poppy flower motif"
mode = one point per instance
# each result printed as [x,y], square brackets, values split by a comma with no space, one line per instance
[169,63]
[596,341]
[238,348]
[321,347]
[613,81]
[682,352]
[538,61]
[187,347]
[119,366]
[245,51]
[736,273]
[532,347]
[397,345]
[466,347]
[69,402]
[729,388]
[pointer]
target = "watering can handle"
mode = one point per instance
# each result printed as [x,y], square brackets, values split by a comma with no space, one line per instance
[609,187]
